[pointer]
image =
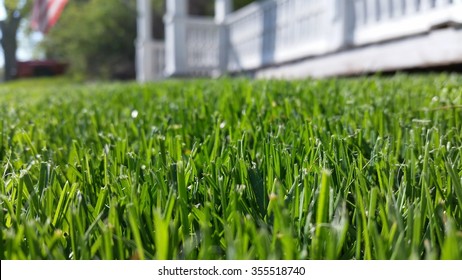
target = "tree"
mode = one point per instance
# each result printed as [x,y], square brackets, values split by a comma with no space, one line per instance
[16,10]
[96,38]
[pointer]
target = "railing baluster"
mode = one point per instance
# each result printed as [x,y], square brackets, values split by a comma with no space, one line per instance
[398,8]
[383,10]
[411,6]
[441,3]
[291,12]
[425,5]
[372,11]
[360,12]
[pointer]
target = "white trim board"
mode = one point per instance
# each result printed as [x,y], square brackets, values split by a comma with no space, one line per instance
[437,48]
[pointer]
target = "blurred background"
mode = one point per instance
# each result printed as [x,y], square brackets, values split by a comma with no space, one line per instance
[95,39]
[120,40]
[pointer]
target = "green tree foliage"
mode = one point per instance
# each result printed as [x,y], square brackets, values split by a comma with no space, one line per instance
[96,37]
[15,10]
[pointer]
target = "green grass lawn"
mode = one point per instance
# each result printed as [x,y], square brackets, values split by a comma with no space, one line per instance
[364,168]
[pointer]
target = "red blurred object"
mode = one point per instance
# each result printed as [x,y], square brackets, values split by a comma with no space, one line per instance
[46,13]
[40,68]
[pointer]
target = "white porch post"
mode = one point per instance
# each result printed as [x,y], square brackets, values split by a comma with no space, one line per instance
[175,37]
[144,56]
[341,19]
[360,12]
[222,9]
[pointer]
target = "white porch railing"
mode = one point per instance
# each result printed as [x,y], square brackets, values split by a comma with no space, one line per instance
[154,52]
[150,54]
[380,20]
[201,46]
[192,43]
[158,67]
[274,32]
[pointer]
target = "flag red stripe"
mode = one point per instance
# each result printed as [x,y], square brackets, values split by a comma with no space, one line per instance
[46,13]
[56,9]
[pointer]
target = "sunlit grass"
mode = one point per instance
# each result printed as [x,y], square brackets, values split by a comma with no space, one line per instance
[365,168]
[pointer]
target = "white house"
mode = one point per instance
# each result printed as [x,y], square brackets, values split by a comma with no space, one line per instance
[299,38]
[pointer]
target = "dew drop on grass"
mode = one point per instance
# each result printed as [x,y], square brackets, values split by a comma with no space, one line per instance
[176,126]
[23,172]
[106,149]
[273,197]
[240,188]
[154,129]
[421,121]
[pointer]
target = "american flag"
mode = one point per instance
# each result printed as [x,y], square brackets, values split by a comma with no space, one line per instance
[46,13]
